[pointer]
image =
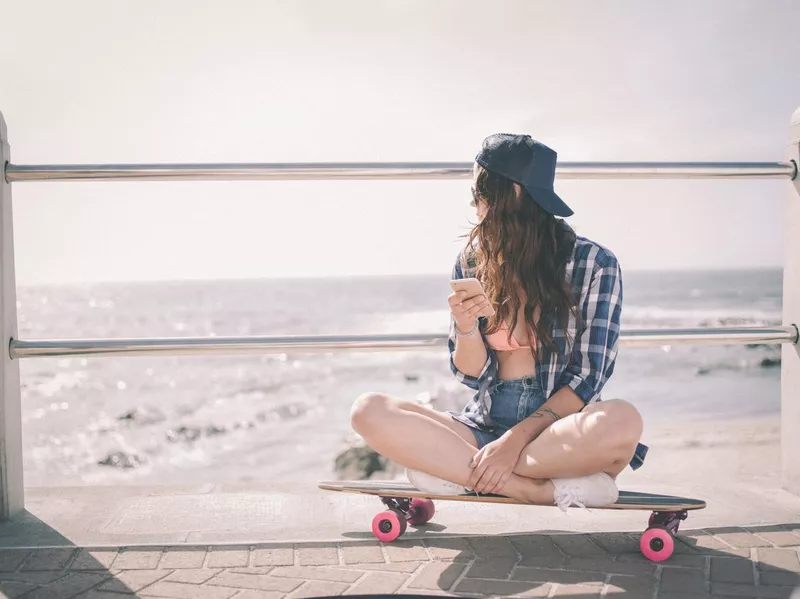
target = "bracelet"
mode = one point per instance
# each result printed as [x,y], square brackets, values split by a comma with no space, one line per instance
[472,332]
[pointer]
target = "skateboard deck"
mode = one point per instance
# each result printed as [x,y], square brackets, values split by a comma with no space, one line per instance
[408,505]
[628,500]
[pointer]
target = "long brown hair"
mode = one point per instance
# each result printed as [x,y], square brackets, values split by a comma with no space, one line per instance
[521,255]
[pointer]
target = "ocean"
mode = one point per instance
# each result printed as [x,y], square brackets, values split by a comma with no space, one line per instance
[185,420]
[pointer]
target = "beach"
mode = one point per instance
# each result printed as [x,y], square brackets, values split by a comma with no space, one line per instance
[285,417]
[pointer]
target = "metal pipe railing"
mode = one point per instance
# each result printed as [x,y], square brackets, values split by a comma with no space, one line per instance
[178,346]
[388,170]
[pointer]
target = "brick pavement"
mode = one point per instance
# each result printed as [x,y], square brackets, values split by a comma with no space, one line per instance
[722,562]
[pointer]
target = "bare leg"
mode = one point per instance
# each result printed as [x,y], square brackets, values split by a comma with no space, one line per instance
[423,439]
[601,438]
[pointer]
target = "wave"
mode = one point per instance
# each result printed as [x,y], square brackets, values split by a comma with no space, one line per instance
[655,316]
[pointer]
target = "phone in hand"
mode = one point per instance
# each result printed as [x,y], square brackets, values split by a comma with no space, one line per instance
[473,287]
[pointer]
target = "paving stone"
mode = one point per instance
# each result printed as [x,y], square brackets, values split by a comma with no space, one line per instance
[740,538]
[138,559]
[38,578]
[228,557]
[192,576]
[573,590]
[710,545]
[492,547]
[559,576]
[309,573]
[317,588]
[685,560]
[678,580]
[97,594]
[406,551]
[608,565]
[132,581]
[456,550]
[12,590]
[496,588]
[499,568]
[616,543]
[743,590]
[10,559]
[94,559]
[177,590]
[317,556]
[702,541]
[732,552]
[278,556]
[178,558]
[632,586]
[49,559]
[251,594]
[255,582]
[779,578]
[781,538]
[363,554]
[437,575]
[377,583]
[69,586]
[732,569]
[539,551]
[578,546]
[260,570]
[683,548]
[406,567]
[778,559]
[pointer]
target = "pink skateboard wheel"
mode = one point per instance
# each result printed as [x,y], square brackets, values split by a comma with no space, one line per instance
[388,525]
[422,511]
[657,544]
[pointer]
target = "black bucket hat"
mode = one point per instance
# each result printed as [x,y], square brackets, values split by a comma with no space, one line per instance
[527,162]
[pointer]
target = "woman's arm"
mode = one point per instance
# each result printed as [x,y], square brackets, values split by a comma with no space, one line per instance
[562,403]
[469,355]
[469,359]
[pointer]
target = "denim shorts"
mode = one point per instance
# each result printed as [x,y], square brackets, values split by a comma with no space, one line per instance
[512,402]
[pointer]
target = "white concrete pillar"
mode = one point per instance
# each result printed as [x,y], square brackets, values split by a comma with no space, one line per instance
[11,485]
[790,367]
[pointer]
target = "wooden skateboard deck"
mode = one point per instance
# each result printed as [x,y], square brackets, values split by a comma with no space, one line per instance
[408,505]
[628,500]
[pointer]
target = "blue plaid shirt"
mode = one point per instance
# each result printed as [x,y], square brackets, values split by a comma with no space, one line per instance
[589,362]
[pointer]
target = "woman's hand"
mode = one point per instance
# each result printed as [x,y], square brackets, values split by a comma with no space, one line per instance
[493,464]
[466,310]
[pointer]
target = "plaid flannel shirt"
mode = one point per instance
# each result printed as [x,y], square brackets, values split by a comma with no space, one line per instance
[585,366]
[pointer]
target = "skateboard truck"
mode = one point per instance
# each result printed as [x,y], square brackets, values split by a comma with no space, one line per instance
[668,520]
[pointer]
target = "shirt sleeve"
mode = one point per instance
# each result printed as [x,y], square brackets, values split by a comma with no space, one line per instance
[468,380]
[594,351]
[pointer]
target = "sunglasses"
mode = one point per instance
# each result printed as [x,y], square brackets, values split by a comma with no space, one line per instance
[474,201]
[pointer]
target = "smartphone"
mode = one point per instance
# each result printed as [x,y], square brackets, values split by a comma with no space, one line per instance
[473,287]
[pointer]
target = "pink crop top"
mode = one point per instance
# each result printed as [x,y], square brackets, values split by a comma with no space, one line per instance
[499,340]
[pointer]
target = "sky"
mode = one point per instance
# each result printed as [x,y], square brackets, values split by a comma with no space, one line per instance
[92,81]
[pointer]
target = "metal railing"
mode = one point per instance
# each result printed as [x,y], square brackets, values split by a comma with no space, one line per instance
[175,346]
[388,170]
[11,476]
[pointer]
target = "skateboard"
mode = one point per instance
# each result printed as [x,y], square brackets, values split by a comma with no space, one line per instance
[408,505]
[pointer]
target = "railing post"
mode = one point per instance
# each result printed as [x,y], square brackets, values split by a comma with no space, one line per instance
[790,367]
[11,484]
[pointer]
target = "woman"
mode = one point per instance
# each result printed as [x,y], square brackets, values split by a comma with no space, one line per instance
[535,429]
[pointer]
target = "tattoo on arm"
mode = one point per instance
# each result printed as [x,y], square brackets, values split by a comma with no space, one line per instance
[542,411]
